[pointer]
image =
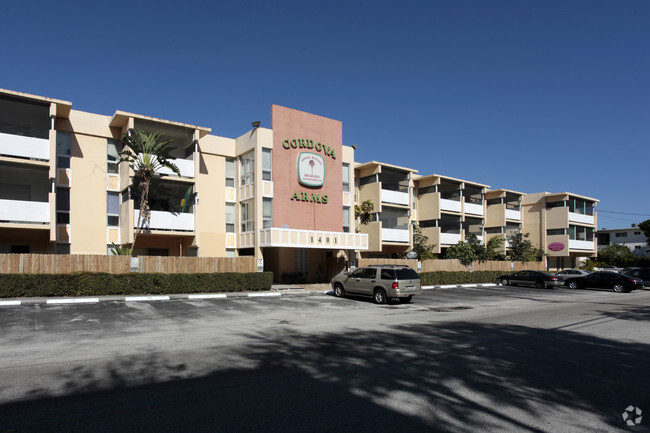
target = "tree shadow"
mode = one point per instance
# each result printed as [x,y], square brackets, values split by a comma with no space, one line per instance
[453,376]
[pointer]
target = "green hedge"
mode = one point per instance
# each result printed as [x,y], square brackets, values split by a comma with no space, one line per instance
[101,284]
[439,278]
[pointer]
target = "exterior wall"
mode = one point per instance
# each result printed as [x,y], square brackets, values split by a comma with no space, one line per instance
[289,125]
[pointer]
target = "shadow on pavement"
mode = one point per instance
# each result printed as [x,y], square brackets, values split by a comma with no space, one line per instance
[457,377]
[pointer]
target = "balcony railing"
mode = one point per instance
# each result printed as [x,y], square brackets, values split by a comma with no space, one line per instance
[474,209]
[449,205]
[581,218]
[186,167]
[396,197]
[20,211]
[394,235]
[24,147]
[582,245]
[161,220]
[450,238]
[513,214]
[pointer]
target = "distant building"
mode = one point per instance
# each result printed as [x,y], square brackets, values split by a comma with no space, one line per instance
[632,237]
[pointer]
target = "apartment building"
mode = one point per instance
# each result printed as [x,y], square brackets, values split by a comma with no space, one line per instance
[563,225]
[284,194]
[632,237]
[448,209]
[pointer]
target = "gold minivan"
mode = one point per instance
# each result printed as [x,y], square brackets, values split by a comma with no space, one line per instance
[381,282]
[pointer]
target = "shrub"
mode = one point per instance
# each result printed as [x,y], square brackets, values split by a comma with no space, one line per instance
[101,284]
[440,278]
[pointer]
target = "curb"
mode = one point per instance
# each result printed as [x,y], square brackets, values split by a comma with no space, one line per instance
[196,296]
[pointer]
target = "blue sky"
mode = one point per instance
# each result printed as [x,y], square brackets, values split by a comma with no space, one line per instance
[526,95]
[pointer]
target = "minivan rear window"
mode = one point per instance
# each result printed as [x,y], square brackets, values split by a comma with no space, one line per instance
[407,274]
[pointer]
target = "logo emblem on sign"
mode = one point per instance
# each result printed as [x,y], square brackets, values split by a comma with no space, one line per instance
[556,246]
[311,169]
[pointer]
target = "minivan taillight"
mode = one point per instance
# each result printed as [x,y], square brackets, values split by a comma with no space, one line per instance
[395,285]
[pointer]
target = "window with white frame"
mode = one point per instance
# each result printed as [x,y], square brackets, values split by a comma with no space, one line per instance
[113,156]
[63,145]
[230,218]
[267,213]
[246,217]
[346,219]
[113,208]
[247,169]
[266,164]
[230,172]
[230,253]
[346,177]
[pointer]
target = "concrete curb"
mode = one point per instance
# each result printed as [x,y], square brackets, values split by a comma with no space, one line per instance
[274,293]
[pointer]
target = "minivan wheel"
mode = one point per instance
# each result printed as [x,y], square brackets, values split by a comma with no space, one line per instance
[405,300]
[339,292]
[380,296]
[618,288]
[573,285]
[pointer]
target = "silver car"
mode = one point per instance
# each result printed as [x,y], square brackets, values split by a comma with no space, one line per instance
[567,274]
[381,282]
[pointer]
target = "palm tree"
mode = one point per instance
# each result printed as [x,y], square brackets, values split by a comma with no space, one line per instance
[147,153]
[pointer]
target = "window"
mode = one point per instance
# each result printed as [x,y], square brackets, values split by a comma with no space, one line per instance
[230,218]
[346,219]
[266,164]
[246,218]
[113,208]
[367,180]
[552,204]
[63,206]
[554,232]
[63,248]
[230,172]
[301,261]
[493,230]
[63,144]
[427,190]
[247,169]
[267,213]
[113,156]
[346,177]
[230,253]
[621,235]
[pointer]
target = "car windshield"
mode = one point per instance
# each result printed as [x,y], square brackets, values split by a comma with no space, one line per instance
[407,274]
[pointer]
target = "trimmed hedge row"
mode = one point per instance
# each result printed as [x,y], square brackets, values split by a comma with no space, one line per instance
[439,278]
[100,284]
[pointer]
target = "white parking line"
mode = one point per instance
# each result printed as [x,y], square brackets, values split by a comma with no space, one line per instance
[448,286]
[73,301]
[428,287]
[207,296]
[146,298]
[2,303]
[259,295]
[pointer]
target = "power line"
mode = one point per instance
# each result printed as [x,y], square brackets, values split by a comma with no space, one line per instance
[622,213]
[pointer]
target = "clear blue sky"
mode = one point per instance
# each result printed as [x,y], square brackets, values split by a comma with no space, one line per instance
[526,95]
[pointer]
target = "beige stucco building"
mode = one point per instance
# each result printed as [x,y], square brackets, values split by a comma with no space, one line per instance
[285,194]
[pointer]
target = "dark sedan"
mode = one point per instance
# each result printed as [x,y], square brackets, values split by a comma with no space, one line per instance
[606,280]
[537,279]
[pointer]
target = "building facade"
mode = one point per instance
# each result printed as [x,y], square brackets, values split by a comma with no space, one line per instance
[632,237]
[285,194]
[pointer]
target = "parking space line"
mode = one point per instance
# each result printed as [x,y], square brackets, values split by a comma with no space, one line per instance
[207,296]
[7,303]
[146,298]
[263,294]
[73,301]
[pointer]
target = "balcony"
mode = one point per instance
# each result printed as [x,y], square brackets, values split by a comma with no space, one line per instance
[513,214]
[186,167]
[450,205]
[170,221]
[581,218]
[24,147]
[21,211]
[474,209]
[582,245]
[395,235]
[450,238]
[395,197]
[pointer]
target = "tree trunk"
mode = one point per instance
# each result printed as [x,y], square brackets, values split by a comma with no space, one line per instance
[144,216]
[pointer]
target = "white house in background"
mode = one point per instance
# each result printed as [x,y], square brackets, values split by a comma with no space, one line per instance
[632,237]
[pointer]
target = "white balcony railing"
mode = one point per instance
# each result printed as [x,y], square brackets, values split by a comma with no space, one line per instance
[513,214]
[581,218]
[161,220]
[24,147]
[582,245]
[186,167]
[396,197]
[449,238]
[394,235]
[21,211]
[474,209]
[449,205]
